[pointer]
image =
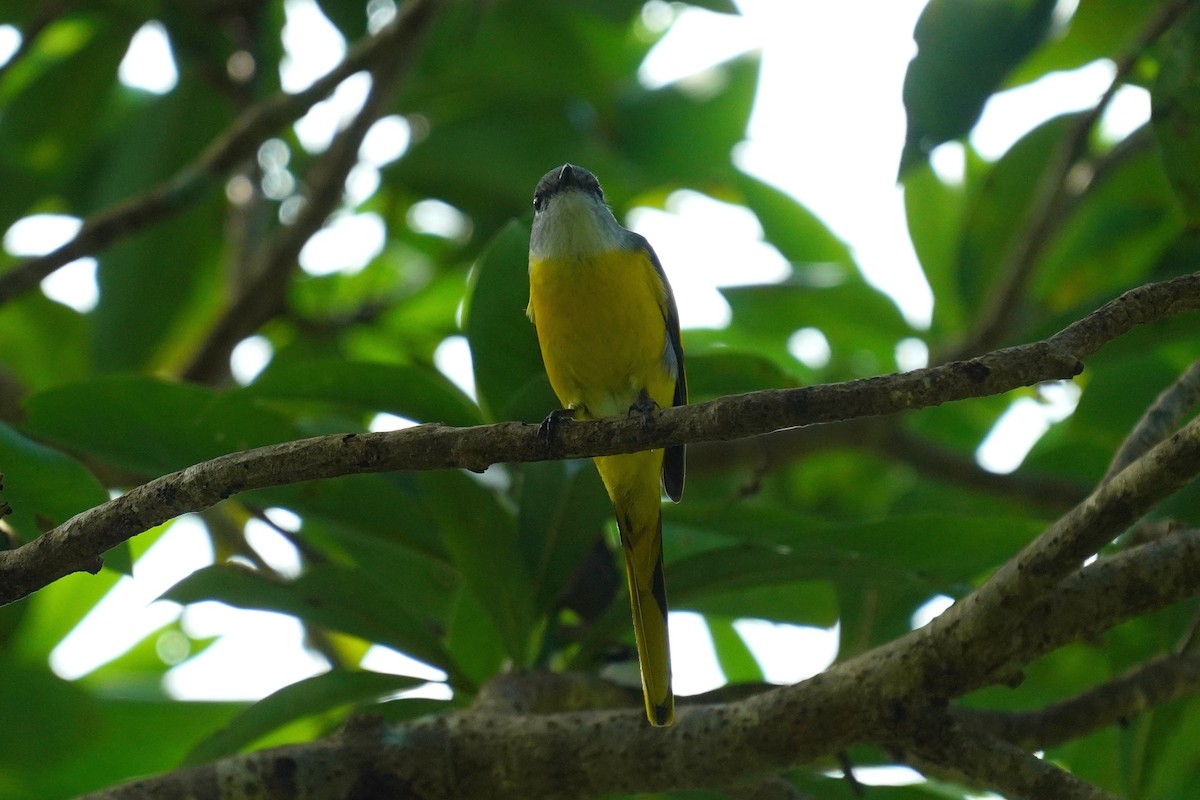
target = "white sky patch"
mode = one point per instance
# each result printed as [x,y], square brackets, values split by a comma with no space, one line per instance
[74,285]
[312,45]
[361,183]
[250,357]
[788,653]
[704,244]
[316,129]
[389,422]
[385,659]
[911,353]
[930,610]
[10,42]
[1128,110]
[38,234]
[258,652]
[386,140]
[1011,114]
[694,667]
[1018,429]
[697,40]
[130,611]
[273,547]
[810,347]
[949,162]
[436,218]
[453,359]
[346,244]
[148,63]
[832,140]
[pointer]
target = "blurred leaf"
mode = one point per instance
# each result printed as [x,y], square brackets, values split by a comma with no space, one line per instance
[965,48]
[44,343]
[737,662]
[1176,113]
[418,393]
[716,372]
[45,487]
[509,378]
[1098,29]
[150,425]
[313,695]
[935,212]
[998,207]
[481,536]
[56,94]
[563,508]
[856,320]
[795,231]
[1113,237]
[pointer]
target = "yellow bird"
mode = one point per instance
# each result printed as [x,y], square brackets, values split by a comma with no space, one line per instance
[609,333]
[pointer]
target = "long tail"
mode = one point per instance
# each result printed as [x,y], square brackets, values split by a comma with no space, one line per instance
[641,541]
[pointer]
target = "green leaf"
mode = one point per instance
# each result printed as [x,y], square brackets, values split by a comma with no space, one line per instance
[481,537]
[314,695]
[56,94]
[799,235]
[415,392]
[44,486]
[1113,238]
[998,208]
[349,600]
[737,662]
[563,508]
[861,324]
[509,379]
[1098,29]
[150,425]
[720,371]
[935,212]
[1176,113]
[965,48]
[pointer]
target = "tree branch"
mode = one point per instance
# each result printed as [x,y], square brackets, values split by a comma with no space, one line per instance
[1163,414]
[938,746]
[270,269]
[483,753]
[1046,205]
[76,545]
[237,143]
[1159,681]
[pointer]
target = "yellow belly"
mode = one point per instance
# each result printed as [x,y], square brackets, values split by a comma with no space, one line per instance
[602,331]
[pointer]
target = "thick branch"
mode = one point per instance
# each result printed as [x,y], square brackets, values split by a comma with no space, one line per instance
[77,544]
[237,143]
[527,755]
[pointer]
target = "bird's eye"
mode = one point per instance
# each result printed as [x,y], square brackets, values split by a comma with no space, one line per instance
[538,201]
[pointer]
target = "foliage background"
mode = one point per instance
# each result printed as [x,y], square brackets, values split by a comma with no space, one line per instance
[853,525]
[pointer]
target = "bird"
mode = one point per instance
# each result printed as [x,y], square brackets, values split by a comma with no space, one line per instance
[608,330]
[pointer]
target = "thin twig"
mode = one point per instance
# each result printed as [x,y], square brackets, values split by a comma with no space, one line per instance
[238,142]
[1163,415]
[1043,215]
[1158,681]
[271,268]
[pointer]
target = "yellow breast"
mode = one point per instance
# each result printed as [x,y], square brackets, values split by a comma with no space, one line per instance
[602,330]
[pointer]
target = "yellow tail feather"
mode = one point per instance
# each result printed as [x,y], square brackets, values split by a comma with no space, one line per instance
[642,546]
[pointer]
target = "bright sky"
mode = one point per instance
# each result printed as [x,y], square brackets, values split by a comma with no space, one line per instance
[827,127]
